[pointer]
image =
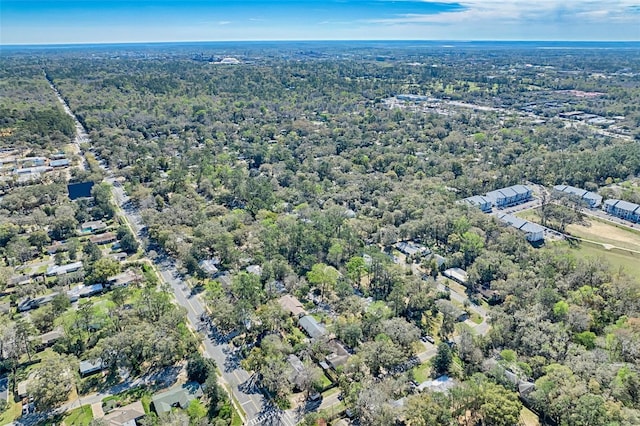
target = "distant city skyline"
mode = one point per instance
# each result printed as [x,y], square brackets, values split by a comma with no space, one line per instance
[120,21]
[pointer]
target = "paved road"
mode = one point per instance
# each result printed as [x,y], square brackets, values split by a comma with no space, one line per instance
[258,410]
[256,407]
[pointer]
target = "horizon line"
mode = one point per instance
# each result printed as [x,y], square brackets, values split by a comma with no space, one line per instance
[105,43]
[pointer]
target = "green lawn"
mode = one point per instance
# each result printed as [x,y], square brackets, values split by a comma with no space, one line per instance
[422,372]
[12,412]
[124,398]
[325,382]
[630,262]
[79,417]
[528,417]
[330,392]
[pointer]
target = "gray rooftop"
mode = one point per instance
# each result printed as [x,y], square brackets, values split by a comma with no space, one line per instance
[478,200]
[623,205]
[179,396]
[521,224]
[311,326]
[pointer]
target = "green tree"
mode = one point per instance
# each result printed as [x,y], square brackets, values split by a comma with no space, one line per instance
[426,409]
[39,239]
[324,277]
[199,368]
[442,360]
[356,266]
[102,269]
[52,383]
[129,244]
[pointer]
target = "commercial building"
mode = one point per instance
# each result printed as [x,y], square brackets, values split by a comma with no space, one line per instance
[623,209]
[592,199]
[480,201]
[534,232]
[510,196]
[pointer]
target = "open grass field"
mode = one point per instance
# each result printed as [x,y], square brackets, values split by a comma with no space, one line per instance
[606,233]
[605,240]
[618,258]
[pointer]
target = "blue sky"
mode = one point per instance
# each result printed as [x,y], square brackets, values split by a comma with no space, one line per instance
[104,21]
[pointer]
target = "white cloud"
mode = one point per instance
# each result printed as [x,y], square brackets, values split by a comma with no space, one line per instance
[524,11]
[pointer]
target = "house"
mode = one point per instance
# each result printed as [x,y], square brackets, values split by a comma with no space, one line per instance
[80,190]
[92,226]
[409,248]
[22,389]
[492,297]
[85,291]
[209,266]
[125,416]
[36,161]
[18,280]
[480,201]
[510,196]
[56,247]
[37,170]
[297,367]
[312,327]
[534,232]
[456,274]
[592,199]
[623,209]
[63,269]
[63,162]
[48,339]
[292,305]
[106,238]
[123,279]
[339,355]
[90,367]
[120,257]
[179,396]
[524,387]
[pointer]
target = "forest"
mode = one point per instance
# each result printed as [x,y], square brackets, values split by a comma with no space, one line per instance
[302,160]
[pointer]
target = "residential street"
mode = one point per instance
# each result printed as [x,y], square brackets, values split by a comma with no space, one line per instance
[252,402]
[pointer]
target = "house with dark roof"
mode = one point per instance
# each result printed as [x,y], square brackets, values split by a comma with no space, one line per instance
[591,199]
[106,238]
[410,248]
[312,327]
[48,339]
[178,397]
[533,231]
[623,209]
[510,196]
